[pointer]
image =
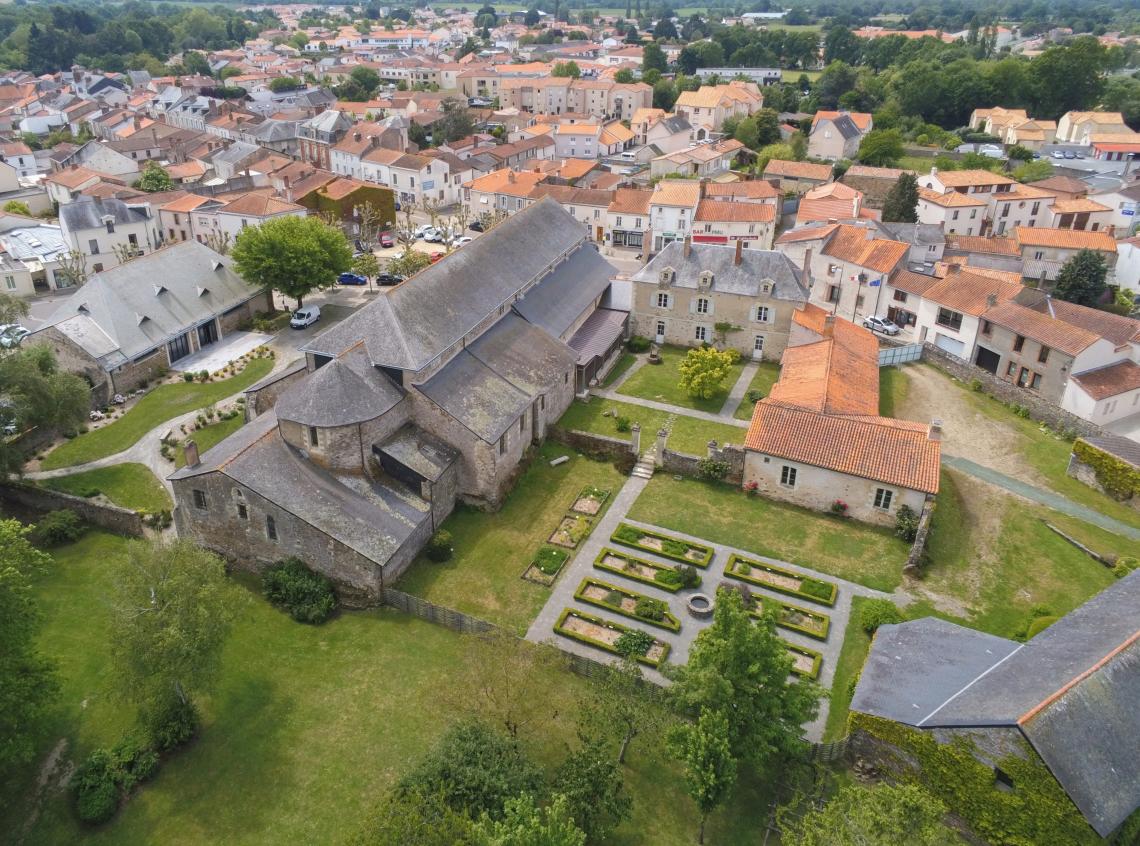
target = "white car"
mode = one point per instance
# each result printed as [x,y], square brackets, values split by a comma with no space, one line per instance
[306,316]
[10,336]
[1057,154]
[422,230]
[435,236]
[459,242]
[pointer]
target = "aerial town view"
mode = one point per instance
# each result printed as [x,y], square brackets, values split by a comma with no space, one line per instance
[570,422]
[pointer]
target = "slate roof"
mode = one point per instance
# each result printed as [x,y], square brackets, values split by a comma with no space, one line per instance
[598,333]
[1071,691]
[408,326]
[420,452]
[90,213]
[559,300]
[756,267]
[485,403]
[345,391]
[1123,448]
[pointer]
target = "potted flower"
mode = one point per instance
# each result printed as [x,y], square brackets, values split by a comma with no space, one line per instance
[752,488]
[839,508]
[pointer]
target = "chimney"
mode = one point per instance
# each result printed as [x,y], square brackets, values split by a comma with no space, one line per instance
[688,248]
[356,136]
[739,253]
[829,326]
[190,454]
[933,431]
[805,273]
[702,189]
[510,176]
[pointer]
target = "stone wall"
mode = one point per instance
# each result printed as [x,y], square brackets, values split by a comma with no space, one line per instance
[138,373]
[1086,474]
[105,515]
[599,446]
[74,360]
[1039,408]
[231,320]
[689,465]
[265,397]
[914,560]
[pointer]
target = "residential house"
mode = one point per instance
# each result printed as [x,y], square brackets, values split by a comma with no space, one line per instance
[672,209]
[318,135]
[127,324]
[830,203]
[707,108]
[796,177]
[107,231]
[1058,704]
[752,225]
[750,191]
[627,219]
[837,135]
[949,314]
[817,439]
[1124,203]
[706,159]
[1082,128]
[688,288]
[588,206]
[30,257]
[1045,251]
[504,191]
[20,156]
[1080,214]
[875,183]
[590,140]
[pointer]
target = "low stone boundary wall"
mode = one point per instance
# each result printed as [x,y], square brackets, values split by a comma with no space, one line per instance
[105,515]
[1039,408]
[588,442]
[914,560]
[684,464]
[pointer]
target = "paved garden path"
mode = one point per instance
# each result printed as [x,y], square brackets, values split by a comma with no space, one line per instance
[1039,495]
[581,566]
[669,408]
[736,395]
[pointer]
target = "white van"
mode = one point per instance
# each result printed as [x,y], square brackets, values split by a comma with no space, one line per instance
[628,156]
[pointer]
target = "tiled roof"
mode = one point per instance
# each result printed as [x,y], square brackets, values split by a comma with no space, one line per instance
[911,282]
[800,170]
[630,201]
[970,293]
[807,233]
[1065,239]
[1023,192]
[894,452]
[979,244]
[506,181]
[753,189]
[862,120]
[724,210]
[966,178]
[858,246]
[1116,328]
[1040,327]
[833,201]
[260,205]
[1064,184]
[1077,206]
[569,195]
[941,268]
[1111,381]
[950,199]
[676,192]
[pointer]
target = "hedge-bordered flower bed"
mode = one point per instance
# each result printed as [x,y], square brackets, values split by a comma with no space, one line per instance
[811,589]
[816,661]
[671,547]
[601,564]
[560,628]
[590,492]
[783,608]
[669,621]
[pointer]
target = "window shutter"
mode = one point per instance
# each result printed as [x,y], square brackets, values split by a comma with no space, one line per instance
[693,305]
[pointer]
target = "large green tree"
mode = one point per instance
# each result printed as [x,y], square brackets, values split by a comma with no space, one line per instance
[704,370]
[1082,279]
[293,255]
[705,749]
[154,179]
[524,823]
[872,816]
[27,680]
[901,203]
[881,148]
[592,783]
[618,708]
[417,819]
[653,58]
[34,392]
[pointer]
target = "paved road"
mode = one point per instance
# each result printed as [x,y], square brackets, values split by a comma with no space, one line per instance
[1044,497]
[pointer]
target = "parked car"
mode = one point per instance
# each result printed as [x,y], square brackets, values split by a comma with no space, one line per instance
[351,279]
[1078,154]
[436,257]
[464,239]
[881,324]
[11,335]
[386,279]
[387,240]
[476,226]
[306,316]
[1057,154]
[1069,154]
[435,236]
[423,229]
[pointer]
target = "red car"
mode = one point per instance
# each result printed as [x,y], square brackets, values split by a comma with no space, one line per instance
[386,240]
[436,257]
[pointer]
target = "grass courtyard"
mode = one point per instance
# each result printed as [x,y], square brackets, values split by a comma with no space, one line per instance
[845,548]
[161,404]
[661,382]
[130,485]
[620,368]
[492,550]
[688,435]
[308,727]
[765,378]
[210,436]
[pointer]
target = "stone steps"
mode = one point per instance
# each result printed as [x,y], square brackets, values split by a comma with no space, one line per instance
[646,464]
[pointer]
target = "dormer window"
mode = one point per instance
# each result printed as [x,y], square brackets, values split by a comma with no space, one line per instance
[110,225]
[766,286]
[705,280]
[666,276]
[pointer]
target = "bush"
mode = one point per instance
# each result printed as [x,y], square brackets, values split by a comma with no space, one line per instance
[613,598]
[439,547]
[754,396]
[623,424]
[878,612]
[633,642]
[307,596]
[712,469]
[550,560]
[668,577]
[976,385]
[638,344]
[134,762]
[688,575]
[58,527]
[906,523]
[1124,565]
[170,723]
[94,789]
[1038,625]
[649,608]
[187,377]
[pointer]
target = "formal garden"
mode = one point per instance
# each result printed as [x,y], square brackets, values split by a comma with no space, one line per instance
[663,382]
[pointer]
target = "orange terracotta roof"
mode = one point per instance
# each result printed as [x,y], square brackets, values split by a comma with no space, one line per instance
[1065,239]
[971,293]
[630,201]
[1111,381]
[259,205]
[941,268]
[729,212]
[894,452]
[1023,192]
[950,199]
[857,245]
[1077,206]
[1040,327]
[506,181]
[187,203]
[980,244]
[911,282]
[752,189]
[676,192]
[967,178]
[800,170]
[576,168]
[807,233]
[1116,328]
[862,120]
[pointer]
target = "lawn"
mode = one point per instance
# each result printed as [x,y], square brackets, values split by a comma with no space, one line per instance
[856,645]
[845,548]
[619,369]
[161,404]
[493,549]
[308,727]
[661,382]
[893,386]
[130,485]
[688,435]
[793,76]
[919,164]
[210,436]
[763,381]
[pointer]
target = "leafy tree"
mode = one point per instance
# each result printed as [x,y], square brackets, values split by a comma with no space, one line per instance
[525,824]
[566,69]
[872,816]
[1019,153]
[532,17]
[27,680]
[739,667]
[704,370]
[16,207]
[1082,279]
[416,819]
[705,749]
[1033,171]
[456,122]
[366,264]
[173,608]
[881,148]
[195,63]
[408,263]
[1069,77]
[665,29]
[293,255]
[901,203]
[624,76]
[284,83]
[653,58]
[590,780]
[37,393]
[366,78]
[617,707]
[783,152]
[154,179]
[474,769]
[664,95]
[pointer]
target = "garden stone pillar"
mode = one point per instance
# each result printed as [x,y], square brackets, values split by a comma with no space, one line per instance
[635,439]
[662,437]
[712,449]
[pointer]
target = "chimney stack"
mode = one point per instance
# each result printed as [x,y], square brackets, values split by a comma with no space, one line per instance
[805,273]
[934,430]
[739,258]
[688,248]
[829,326]
[190,454]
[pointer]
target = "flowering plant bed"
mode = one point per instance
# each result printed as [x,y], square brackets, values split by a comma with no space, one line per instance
[571,531]
[778,579]
[663,545]
[589,501]
[594,631]
[806,661]
[627,603]
[811,623]
[638,569]
[547,564]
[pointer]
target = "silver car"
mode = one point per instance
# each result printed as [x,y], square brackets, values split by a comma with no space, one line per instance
[881,324]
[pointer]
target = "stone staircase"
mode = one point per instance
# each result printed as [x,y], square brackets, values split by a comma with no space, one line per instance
[646,464]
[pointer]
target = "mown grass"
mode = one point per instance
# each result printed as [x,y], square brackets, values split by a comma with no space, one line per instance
[893,388]
[688,435]
[130,485]
[619,369]
[763,381]
[661,382]
[852,656]
[209,436]
[161,404]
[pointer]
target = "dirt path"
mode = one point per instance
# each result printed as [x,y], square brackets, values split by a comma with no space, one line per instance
[966,432]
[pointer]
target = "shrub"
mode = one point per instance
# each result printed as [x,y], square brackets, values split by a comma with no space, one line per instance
[906,523]
[187,377]
[1124,565]
[839,508]
[668,577]
[754,396]
[94,789]
[638,344]
[1039,625]
[816,588]
[688,575]
[627,534]
[613,598]
[878,612]
[170,723]
[307,596]
[633,642]
[550,560]
[439,547]
[58,527]
[133,761]
[623,424]
[649,608]
[712,469]
[976,385]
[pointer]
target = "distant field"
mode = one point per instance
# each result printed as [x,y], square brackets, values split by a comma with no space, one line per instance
[794,75]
